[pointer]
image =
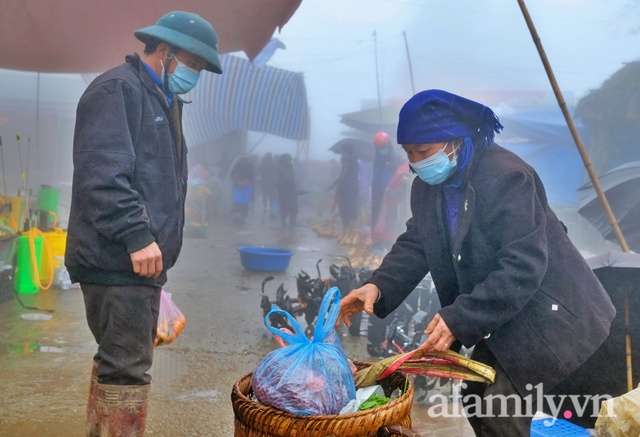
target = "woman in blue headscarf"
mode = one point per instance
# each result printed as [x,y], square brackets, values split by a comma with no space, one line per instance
[511,284]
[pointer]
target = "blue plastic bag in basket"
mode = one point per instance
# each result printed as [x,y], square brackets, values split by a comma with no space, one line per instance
[307,377]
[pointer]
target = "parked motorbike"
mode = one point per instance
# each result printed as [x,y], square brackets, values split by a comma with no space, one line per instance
[310,294]
[401,331]
[312,290]
[283,302]
[346,278]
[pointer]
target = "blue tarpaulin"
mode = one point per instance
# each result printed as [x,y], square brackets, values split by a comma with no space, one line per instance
[542,138]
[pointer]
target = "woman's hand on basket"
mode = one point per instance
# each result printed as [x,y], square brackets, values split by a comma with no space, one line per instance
[358,300]
[440,337]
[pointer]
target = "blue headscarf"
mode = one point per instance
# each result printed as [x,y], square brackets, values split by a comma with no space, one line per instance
[434,116]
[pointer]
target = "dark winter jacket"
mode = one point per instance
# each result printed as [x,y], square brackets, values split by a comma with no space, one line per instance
[510,276]
[129,180]
[347,190]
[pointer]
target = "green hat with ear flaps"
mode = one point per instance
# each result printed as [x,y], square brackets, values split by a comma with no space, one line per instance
[187,31]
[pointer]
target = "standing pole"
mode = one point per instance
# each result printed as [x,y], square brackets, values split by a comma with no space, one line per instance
[627,341]
[27,165]
[37,172]
[585,158]
[4,178]
[406,46]
[375,50]
[27,223]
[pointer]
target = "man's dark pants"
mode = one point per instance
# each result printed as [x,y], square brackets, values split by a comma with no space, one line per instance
[123,320]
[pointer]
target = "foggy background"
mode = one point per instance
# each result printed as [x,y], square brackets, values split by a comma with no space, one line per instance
[365,54]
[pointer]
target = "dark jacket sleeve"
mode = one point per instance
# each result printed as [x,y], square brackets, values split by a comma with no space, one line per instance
[104,160]
[514,220]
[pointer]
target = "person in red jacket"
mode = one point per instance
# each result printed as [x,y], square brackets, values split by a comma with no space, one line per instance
[127,208]
[511,284]
[384,166]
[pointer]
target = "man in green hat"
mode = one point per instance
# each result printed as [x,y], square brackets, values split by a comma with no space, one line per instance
[127,208]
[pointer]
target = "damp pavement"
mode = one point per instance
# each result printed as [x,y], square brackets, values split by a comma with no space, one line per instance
[45,364]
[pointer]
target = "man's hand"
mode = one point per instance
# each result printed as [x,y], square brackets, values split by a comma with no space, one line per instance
[440,337]
[147,261]
[356,301]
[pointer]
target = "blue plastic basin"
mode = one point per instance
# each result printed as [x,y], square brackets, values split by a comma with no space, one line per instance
[265,259]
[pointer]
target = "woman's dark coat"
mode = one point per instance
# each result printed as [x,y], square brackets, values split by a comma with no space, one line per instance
[510,275]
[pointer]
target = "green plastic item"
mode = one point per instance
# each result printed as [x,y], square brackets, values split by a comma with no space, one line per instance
[48,198]
[24,278]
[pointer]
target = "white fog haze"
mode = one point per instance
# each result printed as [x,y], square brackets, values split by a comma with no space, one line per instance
[359,55]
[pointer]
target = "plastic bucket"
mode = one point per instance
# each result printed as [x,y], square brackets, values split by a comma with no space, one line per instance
[24,277]
[13,219]
[48,198]
[57,242]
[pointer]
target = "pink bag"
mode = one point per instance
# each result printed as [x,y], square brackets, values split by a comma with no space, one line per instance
[171,321]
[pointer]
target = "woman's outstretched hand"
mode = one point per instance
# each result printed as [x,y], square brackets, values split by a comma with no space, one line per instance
[358,300]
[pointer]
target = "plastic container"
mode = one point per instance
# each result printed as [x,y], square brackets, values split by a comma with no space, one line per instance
[48,199]
[13,217]
[265,259]
[558,427]
[24,276]
[57,242]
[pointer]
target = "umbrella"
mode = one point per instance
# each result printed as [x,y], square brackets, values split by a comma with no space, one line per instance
[622,189]
[362,149]
[373,120]
[612,262]
[611,369]
[80,36]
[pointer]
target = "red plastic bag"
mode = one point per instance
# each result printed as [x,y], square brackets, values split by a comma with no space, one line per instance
[171,321]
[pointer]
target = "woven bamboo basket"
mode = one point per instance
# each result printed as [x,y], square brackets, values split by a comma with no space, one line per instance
[253,419]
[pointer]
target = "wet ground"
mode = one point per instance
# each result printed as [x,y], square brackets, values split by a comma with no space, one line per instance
[45,365]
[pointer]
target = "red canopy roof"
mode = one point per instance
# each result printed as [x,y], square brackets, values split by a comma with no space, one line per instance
[83,36]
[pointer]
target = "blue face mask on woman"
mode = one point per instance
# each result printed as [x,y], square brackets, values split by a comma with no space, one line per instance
[437,168]
[183,79]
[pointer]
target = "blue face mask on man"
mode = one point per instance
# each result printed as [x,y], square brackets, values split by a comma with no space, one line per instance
[182,80]
[437,168]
